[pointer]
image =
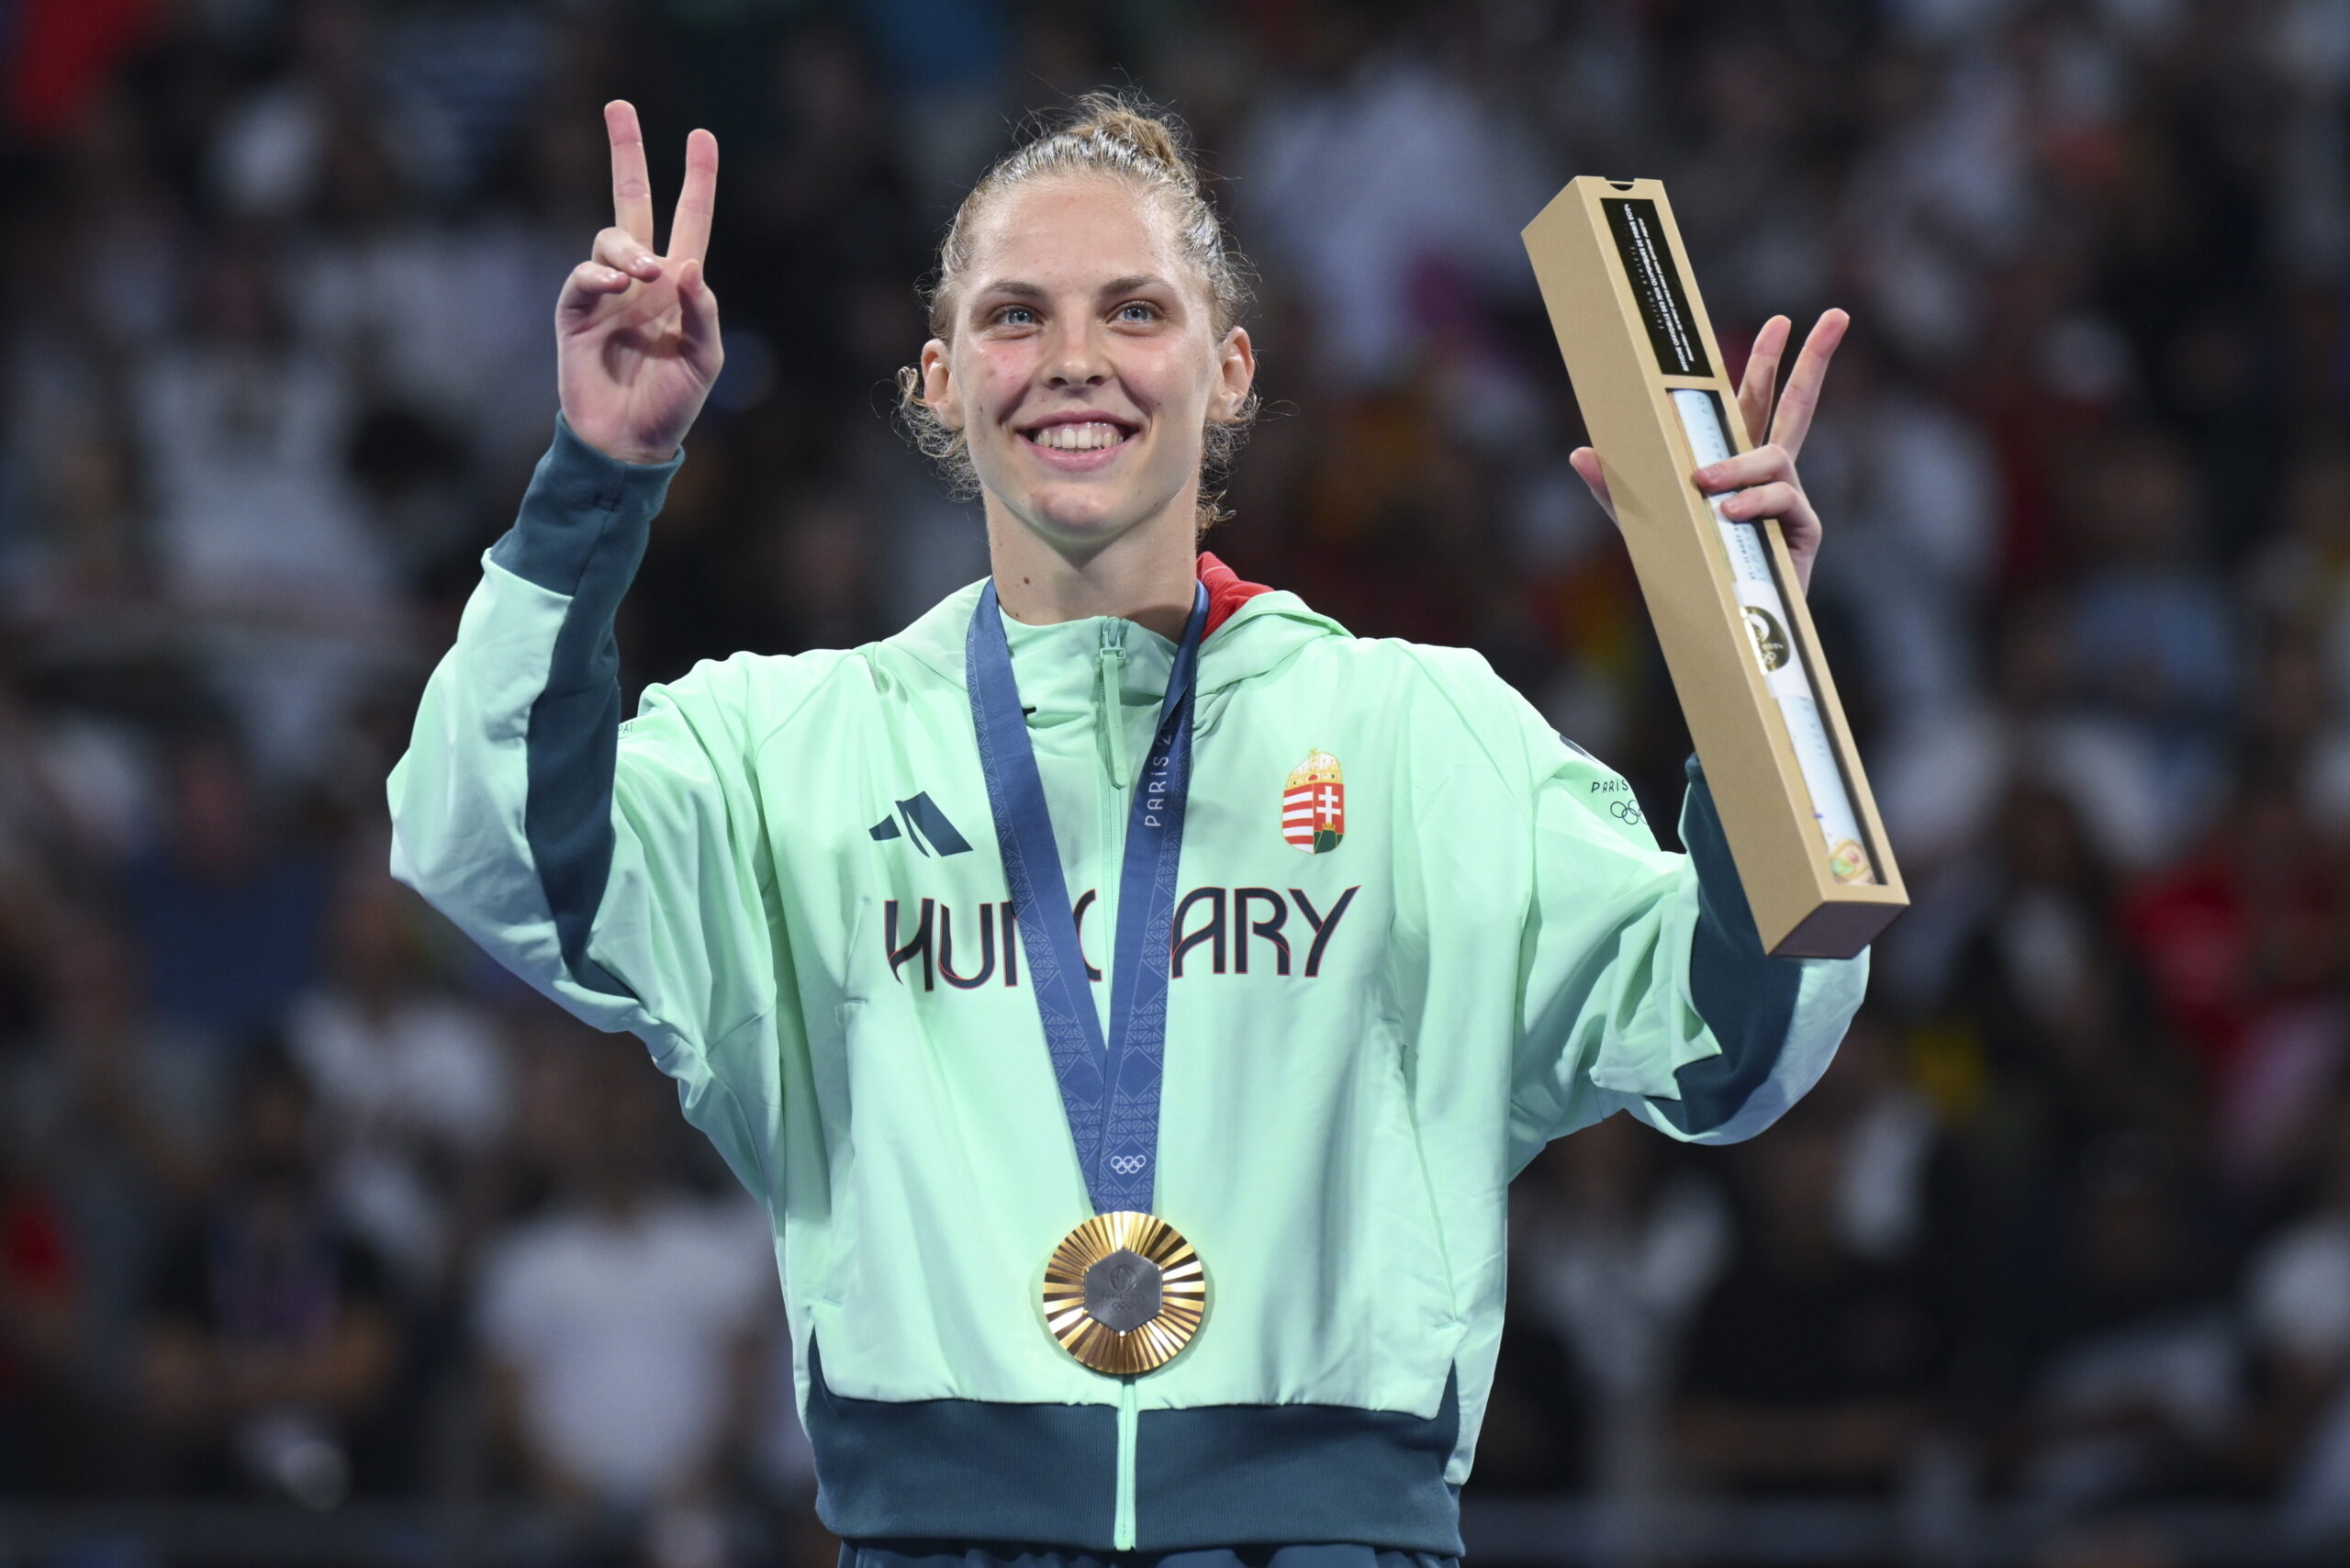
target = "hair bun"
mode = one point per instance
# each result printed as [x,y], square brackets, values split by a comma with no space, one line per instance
[1114,117]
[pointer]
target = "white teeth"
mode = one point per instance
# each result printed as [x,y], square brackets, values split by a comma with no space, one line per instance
[1077,438]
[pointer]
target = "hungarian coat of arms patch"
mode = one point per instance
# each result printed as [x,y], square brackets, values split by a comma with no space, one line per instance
[1313,805]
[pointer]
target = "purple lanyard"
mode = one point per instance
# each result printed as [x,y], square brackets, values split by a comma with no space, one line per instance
[1109,1087]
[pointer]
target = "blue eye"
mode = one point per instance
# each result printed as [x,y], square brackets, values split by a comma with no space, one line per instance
[1008,309]
[1140,304]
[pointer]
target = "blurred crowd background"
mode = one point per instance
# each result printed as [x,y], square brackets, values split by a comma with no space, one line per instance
[307,1208]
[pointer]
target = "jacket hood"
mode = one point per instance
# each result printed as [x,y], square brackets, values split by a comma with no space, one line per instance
[1252,628]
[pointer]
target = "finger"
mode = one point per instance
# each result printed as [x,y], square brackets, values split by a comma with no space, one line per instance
[1777,498]
[1761,381]
[586,287]
[689,230]
[631,181]
[1794,419]
[697,318]
[619,249]
[1765,462]
[1585,463]
[1800,527]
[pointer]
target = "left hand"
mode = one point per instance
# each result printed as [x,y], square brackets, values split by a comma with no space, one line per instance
[1763,478]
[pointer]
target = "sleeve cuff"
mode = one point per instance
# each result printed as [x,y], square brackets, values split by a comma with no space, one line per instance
[1746,998]
[1708,850]
[584,515]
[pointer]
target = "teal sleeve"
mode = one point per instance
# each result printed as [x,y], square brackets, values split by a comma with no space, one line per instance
[614,866]
[1644,984]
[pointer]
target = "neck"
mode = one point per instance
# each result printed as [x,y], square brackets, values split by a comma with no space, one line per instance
[1144,575]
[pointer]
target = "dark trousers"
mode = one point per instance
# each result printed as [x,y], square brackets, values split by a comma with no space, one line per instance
[1010,1554]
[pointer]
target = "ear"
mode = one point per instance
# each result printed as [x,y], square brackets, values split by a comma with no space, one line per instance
[1235,372]
[938,385]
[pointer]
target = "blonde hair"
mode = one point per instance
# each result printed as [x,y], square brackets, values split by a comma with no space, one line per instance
[1124,137]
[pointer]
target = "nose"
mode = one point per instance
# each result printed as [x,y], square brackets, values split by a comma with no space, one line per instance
[1076,359]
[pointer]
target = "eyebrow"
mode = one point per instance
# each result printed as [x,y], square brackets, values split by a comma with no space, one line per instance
[1017,288]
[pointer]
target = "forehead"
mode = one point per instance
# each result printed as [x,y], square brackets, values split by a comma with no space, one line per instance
[1072,232]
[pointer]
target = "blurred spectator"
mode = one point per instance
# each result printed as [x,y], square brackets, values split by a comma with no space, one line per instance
[1612,1250]
[2150,640]
[2297,1302]
[943,64]
[623,1324]
[2110,1544]
[124,1119]
[1912,487]
[1810,1365]
[226,910]
[257,530]
[383,121]
[1449,184]
[2139,1378]
[316,138]
[273,1338]
[2300,584]
[2043,972]
[2247,929]
[41,1441]
[412,1085]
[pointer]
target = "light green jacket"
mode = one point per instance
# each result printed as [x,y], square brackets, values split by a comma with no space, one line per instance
[782,873]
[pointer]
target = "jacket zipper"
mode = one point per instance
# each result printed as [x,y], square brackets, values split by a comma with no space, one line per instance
[1122,1534]
[1110,742]
[1109,699]
[1109,712]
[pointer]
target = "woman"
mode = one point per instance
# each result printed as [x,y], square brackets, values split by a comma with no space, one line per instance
[1130,993]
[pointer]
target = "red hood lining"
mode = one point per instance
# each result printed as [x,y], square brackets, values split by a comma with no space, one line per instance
[1227,592]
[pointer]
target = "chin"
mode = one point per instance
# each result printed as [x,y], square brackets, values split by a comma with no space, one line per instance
[1082,519]
[1080,541]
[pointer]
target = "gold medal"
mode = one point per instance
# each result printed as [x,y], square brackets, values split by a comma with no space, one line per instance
[1125,1292]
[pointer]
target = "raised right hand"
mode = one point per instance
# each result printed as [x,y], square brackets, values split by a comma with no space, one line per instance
[636,333]
[1764,475]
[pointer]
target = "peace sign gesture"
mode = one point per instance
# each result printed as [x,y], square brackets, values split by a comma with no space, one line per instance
[636,333]
[1765,478]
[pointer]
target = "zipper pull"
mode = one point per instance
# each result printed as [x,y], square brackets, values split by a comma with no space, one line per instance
[1109,699]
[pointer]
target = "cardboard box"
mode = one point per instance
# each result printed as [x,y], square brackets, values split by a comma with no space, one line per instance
[1737,636]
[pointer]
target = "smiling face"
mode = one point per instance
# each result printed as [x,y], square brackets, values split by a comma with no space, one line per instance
[1083,365]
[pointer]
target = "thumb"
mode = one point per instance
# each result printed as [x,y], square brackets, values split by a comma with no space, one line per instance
[698,316]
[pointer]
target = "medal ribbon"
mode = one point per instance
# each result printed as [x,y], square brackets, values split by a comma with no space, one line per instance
[1109,1087]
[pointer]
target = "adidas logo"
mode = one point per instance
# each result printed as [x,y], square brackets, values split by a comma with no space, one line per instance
[920,821]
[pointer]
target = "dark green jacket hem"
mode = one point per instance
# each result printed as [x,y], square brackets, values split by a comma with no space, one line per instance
[1214,1476]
